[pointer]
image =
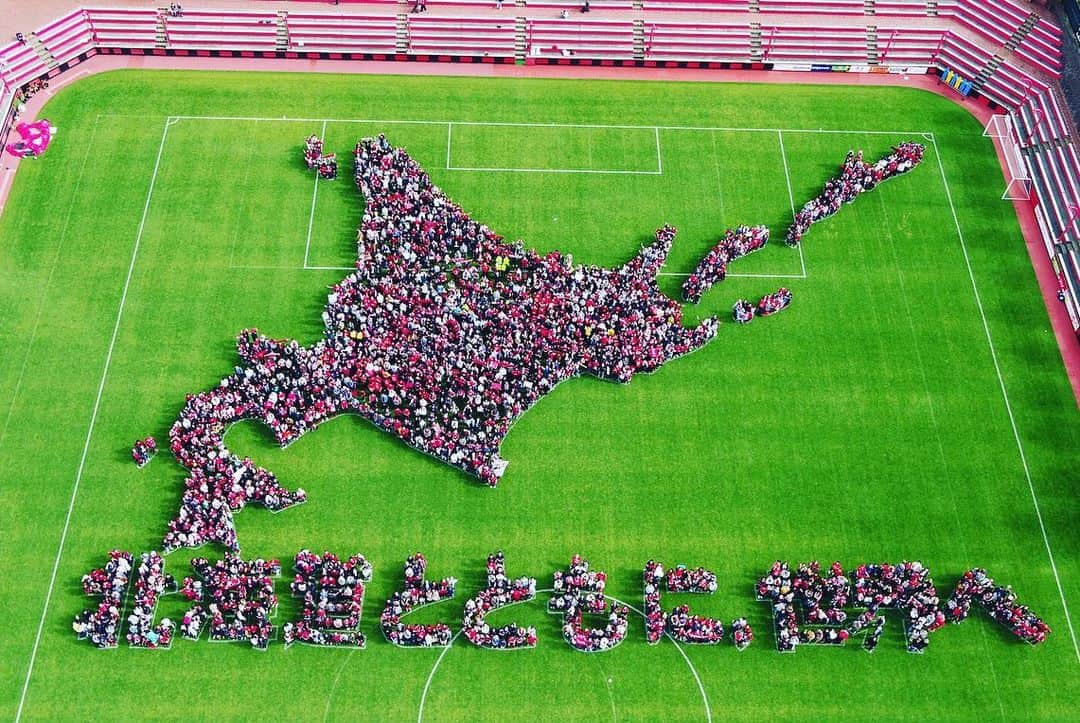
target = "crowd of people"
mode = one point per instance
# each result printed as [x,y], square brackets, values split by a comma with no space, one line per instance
[500,592]
[333,598]
[594,640]
[685,579]
[741,633]
[655,617]
[220,483]
[101,626]
[907,587]
[580,586]
[579,591]
[686,628]
[999,602]
[428,340]
[417,593]
[856,176]
[680,624]
[821,600]
[143,451]
[712,269]
[235,595]
[742,312]
[151,582]
[325,164]
[773,303]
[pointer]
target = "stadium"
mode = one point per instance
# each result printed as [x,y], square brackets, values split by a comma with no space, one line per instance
[479,360]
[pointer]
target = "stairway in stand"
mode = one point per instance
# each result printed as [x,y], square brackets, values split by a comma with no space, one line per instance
[282,41]
[401,34]
[42,52]
[872,56]
[161,36]
[521,39]
[639,39]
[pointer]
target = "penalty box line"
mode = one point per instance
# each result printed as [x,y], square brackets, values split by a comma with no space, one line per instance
[307,266]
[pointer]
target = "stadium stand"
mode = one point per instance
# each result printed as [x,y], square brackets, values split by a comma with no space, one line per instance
[814,43]
[697,41]
[492,36]
[1010,53]
[68,37]
[602,39]
[124,27]
[209,29]
[341,33]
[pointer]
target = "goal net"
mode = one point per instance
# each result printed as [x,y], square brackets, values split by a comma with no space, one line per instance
[1017,177]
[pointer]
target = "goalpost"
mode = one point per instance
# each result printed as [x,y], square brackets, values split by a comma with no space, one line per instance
[1017,178]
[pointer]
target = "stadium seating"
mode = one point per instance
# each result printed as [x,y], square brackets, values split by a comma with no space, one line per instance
[217,29]
[697,41]
[124,27]
[725,6]
[906,46]
[603,39]
[493,36]
[68,37]
[809,43]
[20,64]
[813,7]
[903,8]
[341,33]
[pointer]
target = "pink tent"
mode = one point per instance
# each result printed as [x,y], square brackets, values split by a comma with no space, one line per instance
[35,138]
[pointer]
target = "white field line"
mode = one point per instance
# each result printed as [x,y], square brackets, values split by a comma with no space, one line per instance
[556,170]
[1008,404]
[314,198]
[449,144]
[659,157]
[741,276]
[375,121]
[48,283]
[93,419]
[449,137]
[791,196]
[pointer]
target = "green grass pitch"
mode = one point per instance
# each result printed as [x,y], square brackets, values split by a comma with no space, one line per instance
[868,422]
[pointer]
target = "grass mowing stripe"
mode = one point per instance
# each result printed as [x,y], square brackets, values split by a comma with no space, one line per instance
[48,283]
[1005,397]
[93,419]
[942,458]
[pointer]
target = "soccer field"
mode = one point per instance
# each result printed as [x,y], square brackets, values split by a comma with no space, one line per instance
[910,404]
